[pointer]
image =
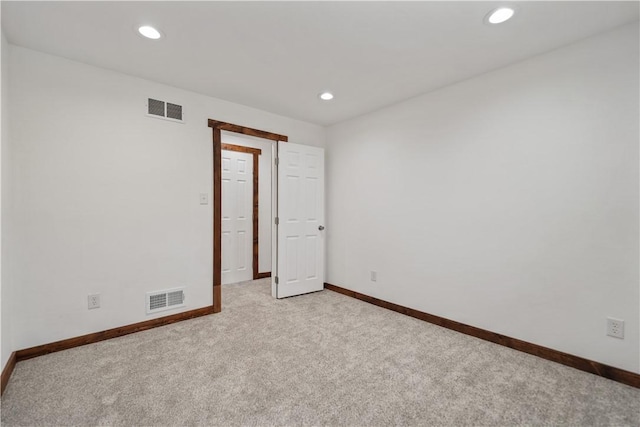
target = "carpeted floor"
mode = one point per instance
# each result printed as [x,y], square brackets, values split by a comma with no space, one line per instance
[317,359]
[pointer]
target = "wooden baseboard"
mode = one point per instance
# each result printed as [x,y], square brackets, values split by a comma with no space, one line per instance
[596,368]
[7,371]
[262,275]
[41,350]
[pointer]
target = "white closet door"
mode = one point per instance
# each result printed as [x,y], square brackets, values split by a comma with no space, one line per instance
[237,217]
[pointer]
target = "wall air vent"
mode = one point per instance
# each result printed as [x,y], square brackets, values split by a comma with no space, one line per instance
[174,111]
[164,110]
[165,300]
[155,107]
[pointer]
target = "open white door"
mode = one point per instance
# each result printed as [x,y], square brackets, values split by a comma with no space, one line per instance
[300,235]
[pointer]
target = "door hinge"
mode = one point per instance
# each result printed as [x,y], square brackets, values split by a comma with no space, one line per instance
[277,221]
[276,280]
[277,161]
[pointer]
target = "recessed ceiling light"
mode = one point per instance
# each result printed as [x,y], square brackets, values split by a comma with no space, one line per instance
[500,15]
[149,32]
[326,96]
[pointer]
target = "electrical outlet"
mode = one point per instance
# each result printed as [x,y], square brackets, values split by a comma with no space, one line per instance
[204,198]
[374,276]
[94,301]
[615,327]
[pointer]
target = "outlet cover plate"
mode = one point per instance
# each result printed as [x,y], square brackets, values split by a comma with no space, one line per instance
[615,327]
[93,301]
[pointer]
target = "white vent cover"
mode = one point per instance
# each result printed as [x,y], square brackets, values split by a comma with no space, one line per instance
[164,110]
[165,300]
[174,111]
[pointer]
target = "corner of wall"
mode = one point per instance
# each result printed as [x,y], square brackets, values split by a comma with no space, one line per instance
[5,181]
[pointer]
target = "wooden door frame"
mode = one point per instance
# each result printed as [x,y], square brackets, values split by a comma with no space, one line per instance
[218,127]
[256,152]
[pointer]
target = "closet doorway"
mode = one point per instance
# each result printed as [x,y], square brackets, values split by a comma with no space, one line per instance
[217,128]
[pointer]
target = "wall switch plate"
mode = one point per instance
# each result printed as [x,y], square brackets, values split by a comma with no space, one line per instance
[204,198]
[615,327]
[374,276]
[94,301]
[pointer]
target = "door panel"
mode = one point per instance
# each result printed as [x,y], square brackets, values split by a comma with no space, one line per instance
[301,217]
[237,216]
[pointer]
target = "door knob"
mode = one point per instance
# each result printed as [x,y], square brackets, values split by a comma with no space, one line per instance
[321,227]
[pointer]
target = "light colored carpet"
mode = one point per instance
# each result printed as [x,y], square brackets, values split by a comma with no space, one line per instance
[318,359]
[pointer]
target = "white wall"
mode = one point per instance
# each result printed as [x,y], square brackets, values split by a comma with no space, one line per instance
[508,201]
[264,193]
[106,198]
[5,209]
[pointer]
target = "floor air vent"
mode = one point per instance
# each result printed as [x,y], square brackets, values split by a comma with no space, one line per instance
[164,110]
[165,300]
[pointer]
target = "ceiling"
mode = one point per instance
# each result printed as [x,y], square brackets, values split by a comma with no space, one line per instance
[278,56]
